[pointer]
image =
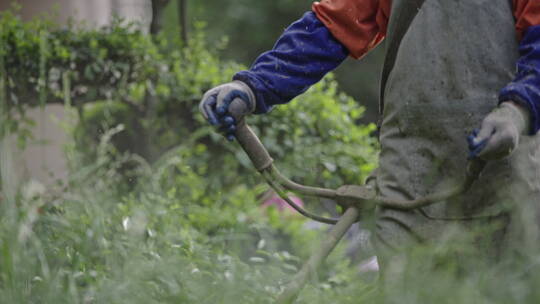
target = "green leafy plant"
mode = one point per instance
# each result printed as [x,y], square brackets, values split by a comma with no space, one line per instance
[157,207]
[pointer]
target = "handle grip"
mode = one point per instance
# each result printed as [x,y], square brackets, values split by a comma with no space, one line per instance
[252,145]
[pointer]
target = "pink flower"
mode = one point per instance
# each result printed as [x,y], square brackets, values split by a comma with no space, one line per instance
[281,204]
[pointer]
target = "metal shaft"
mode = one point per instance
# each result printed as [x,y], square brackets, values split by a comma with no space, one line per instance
[263,163]
[310,267]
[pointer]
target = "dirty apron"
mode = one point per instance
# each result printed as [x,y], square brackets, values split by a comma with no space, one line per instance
[448,69]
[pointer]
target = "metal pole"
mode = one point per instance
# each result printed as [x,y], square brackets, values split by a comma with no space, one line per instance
[310,267]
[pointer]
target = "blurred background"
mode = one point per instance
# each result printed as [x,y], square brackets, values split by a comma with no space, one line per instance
[113,188]
[242,29]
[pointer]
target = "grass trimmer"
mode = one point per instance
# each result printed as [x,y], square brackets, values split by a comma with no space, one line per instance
[354,197]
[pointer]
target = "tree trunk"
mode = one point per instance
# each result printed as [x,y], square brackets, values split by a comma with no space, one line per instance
[183,20]
[157,15]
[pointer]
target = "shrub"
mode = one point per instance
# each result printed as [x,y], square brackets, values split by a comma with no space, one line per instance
[157,207]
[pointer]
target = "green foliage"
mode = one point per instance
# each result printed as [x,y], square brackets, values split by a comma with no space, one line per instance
[239,20]
[158,207]
[96,243]
[318,133]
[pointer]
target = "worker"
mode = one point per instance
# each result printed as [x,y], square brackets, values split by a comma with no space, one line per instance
[456,72]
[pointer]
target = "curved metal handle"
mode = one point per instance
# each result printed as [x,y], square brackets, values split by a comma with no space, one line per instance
[474,169]
[264,163]
[253,147]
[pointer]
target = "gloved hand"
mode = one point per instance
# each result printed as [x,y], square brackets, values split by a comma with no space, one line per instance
[226,105]
[500,132]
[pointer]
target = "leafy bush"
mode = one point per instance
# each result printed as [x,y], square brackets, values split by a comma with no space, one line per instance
[157,207]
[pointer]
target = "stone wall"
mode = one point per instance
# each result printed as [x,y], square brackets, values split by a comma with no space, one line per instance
[44,160]
[91,12]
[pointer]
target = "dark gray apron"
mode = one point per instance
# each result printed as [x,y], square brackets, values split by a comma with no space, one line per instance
[442,80]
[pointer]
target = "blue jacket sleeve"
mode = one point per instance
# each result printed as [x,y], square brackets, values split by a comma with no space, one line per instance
[301,57]
[525,89]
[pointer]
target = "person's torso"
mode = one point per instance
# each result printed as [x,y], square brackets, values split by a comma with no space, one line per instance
[449,67]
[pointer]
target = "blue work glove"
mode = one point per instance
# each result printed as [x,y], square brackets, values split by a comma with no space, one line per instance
[226,105]
[500,132]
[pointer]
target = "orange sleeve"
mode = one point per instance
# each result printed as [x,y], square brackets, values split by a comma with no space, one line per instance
[358,24]
[527,14]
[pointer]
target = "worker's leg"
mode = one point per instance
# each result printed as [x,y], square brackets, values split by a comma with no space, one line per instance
[411,241]
[522,241]
[396,233]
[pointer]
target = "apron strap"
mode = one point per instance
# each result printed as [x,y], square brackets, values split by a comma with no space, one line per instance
[403,13]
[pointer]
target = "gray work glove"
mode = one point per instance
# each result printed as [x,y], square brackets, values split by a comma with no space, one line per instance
[226,105]
[500,132]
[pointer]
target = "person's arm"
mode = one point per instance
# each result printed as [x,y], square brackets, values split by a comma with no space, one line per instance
[304,53]
[519,109]
[525,88]
[307,50]
[313,46]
